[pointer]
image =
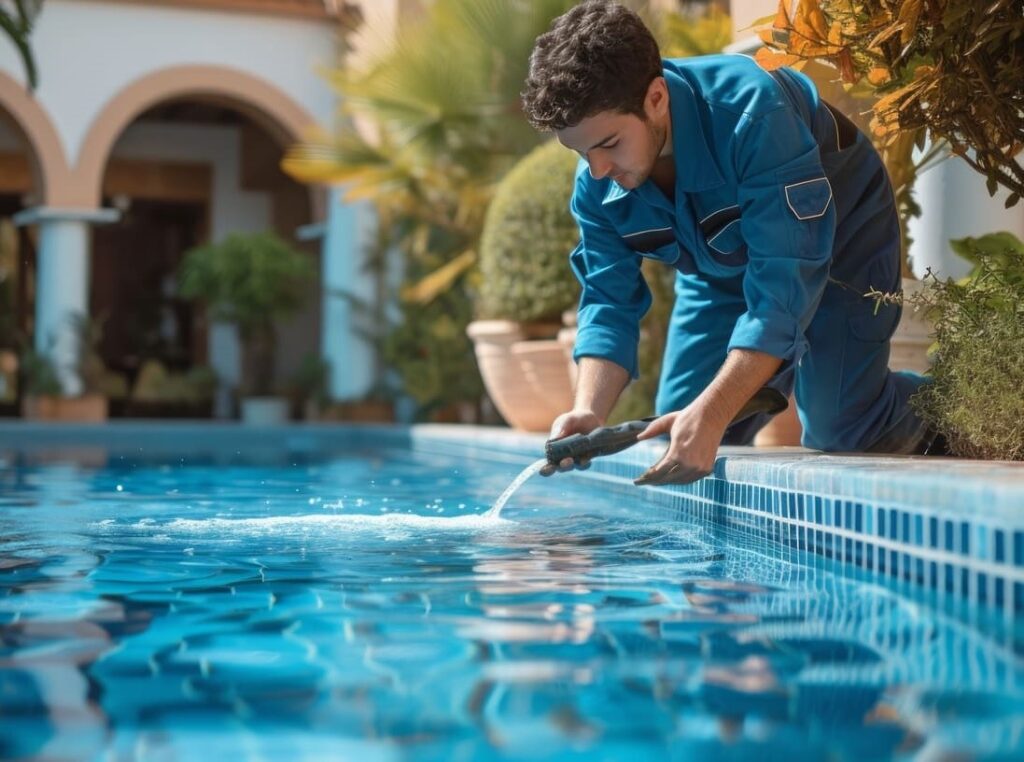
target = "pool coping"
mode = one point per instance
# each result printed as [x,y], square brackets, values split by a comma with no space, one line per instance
[953,525]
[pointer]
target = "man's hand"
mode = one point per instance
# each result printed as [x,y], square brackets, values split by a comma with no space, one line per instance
[691,452]
[573,422]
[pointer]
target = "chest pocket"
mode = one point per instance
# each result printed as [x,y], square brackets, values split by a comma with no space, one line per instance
[722,235]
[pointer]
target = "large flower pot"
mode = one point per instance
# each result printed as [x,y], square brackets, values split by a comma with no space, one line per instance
[909,345]
[88,408]
[264,411]
[527,392]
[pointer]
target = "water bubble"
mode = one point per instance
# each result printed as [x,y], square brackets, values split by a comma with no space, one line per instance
[120,488]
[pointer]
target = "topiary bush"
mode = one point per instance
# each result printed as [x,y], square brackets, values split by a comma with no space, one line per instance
[527,237]
[976,398]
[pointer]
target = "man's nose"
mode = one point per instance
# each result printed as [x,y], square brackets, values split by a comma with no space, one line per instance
[599,168]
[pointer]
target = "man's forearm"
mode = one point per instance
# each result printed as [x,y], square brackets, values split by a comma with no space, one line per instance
[599,383]
[741,375]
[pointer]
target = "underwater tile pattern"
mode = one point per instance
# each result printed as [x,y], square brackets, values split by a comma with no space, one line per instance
[952,526]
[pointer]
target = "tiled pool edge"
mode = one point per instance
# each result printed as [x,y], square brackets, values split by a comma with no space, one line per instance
[950,525]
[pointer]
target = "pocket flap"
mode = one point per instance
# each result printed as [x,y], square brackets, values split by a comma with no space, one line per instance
[809,199]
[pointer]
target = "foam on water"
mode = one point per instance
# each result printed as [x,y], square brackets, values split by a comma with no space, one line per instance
[386,522]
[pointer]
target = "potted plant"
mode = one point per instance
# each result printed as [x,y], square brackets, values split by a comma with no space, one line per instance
[975,399]
[250,280]
[525,286]
[162,393]
[44,396]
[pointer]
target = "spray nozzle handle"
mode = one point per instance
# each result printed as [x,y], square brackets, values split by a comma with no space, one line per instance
[611,439]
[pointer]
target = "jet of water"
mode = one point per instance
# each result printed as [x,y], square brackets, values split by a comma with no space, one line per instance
[495,510]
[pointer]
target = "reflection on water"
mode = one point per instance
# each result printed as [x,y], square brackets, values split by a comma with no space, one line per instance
[362,609]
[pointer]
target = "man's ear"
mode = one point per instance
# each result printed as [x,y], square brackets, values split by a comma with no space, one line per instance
[656,102]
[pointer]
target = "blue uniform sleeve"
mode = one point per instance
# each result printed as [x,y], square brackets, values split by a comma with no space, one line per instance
[614,295]
[788,222]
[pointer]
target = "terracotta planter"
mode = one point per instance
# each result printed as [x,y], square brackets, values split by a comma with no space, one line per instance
[528,381]
[89,408]
[909,345]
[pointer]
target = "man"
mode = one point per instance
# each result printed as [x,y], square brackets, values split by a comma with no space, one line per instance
[774,209]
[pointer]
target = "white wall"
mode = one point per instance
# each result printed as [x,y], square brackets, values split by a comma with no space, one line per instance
[955,204]
[232,209]
[88,51]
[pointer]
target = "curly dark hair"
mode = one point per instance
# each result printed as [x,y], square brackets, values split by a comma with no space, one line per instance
[597,57]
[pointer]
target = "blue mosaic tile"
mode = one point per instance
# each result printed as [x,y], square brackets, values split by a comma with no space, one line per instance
[1000,546]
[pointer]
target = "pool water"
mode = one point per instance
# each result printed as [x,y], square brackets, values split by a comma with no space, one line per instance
[359,606]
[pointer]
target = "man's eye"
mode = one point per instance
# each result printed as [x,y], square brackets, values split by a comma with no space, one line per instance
[611,145]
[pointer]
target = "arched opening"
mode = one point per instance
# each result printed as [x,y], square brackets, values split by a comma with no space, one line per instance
[32,165]
[184,170]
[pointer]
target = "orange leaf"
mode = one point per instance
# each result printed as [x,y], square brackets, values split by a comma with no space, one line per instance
[879,76]
[770,60]
[844,61]
[909,14]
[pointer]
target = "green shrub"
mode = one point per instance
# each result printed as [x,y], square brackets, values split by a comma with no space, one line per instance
[528,234]
[977,397]
[250,280]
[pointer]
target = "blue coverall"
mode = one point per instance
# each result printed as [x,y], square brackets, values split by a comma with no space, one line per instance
[783,219]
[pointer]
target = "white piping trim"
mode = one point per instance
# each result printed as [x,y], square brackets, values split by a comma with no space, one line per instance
[804,182]
[712,238]
[839,143]
[641,232]
[734,206]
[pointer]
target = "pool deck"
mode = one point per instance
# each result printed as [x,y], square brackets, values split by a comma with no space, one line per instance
[955,526]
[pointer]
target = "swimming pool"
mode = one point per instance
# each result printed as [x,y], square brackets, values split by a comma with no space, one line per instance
[176,596]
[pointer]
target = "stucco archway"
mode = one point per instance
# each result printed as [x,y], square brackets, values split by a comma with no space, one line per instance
[52,178]
[273,110]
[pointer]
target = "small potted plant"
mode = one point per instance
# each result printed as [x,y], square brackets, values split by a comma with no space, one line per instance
[252,281]
[44,396]
[525,286]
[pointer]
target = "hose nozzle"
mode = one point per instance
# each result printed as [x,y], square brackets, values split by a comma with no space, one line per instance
[611,439]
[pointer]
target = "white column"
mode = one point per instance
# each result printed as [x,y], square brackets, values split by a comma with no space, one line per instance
[62,282]
[955,204]
[343,254]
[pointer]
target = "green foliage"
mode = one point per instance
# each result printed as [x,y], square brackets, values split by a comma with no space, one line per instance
[310,380]
[17,26]
[432,354]
[38,374]
[249,280]
[528,233]
[156,384]
[443,102]
[953,69]
[252,281]
[977,396]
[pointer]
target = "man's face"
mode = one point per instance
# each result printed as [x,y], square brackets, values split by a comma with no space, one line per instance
[623,147]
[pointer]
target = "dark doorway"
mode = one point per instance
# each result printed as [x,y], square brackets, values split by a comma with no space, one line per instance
[134,287]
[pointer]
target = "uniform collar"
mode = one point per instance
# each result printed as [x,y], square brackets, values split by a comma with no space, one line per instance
[696,169]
